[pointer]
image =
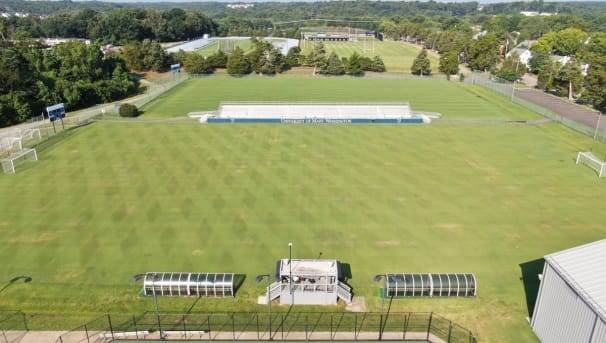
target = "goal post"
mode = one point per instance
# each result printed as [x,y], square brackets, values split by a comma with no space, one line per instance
[8,164]
[587,158]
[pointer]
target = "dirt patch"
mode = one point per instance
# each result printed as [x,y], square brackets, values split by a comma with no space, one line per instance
[387,243]
[358,304]
[453,227]
[44,237]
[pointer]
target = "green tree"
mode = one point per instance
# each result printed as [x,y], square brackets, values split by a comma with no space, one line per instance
[155,57]
[292,57]
[570,77]
[377,64]
[545,44]
[449,63]
[317,57]
[196,64]
[484,53]
[538,62]
[237,64]
[133,55]
[333,66]
[354,64]
[595,84]
[421,65]
[546,77]
[217,60]
[511,68]
[272,62]
[569,42]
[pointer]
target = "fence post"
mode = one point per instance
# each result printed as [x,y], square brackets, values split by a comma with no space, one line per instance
[184,328]
[306,326]
[331,326]
[135,324]
[356,327]
[86,332]
[209,335]
[258,326]
[406,321]
[233,325]
[449,330]
[429,325]
[111,329]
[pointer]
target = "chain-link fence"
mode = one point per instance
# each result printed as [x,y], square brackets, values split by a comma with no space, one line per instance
[507,89]
[13,326]
[283,326]
[153,89]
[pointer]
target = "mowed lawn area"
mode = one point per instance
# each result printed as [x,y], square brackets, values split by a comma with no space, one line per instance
[452,99]
[397,56]
[111,200]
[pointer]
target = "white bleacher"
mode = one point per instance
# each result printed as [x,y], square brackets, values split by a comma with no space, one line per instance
[190,46]
[337,111]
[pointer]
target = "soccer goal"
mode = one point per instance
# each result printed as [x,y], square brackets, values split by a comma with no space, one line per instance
[8,164]
[593,162]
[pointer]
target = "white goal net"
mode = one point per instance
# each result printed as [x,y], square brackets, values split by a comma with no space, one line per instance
[593,162]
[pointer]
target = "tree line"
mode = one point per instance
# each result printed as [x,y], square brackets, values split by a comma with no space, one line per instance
[72,73]
[264,59]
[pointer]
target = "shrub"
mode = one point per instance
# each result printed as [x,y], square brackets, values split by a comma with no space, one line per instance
[128,110]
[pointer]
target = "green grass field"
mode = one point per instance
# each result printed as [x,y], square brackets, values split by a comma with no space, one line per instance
[397,56]
[224,43]
[456,100]
[110,200]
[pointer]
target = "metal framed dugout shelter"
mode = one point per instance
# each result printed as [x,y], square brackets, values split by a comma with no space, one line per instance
[189,284]
[430,285]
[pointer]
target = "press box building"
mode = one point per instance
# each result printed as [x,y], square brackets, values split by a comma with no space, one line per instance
[571,304]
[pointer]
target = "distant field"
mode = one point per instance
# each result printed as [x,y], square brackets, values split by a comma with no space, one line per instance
[244,44]
[397,56]
[456,100]
[113,199]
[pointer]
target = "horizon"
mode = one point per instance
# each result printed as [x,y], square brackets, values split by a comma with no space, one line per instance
[482,2]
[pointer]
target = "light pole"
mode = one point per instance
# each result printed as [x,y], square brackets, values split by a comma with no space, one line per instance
[378,278]
[259,278]
[154,278]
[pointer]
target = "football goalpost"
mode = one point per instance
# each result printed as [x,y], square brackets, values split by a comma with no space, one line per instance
[593,162]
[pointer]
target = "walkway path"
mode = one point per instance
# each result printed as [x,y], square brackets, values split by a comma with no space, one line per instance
[559,106]
[81,336]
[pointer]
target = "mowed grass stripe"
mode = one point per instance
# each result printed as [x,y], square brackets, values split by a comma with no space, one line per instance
[452,99]
[384,198]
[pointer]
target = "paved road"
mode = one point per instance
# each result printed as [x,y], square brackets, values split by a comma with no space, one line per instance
[559,106]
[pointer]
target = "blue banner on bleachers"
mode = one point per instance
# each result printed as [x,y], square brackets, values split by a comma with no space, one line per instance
[317,120]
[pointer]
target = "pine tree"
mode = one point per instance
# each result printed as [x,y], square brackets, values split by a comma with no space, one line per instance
[317,57]
[421,65]
[333,66]
[353,65]
[237,63]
